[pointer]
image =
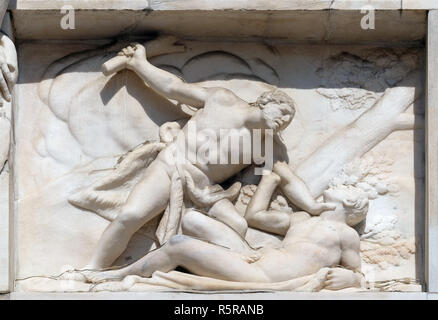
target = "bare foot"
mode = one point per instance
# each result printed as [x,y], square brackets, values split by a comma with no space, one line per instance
[110,275]
[73,274]
[92,276]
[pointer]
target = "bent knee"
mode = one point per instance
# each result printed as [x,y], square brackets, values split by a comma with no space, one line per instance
[178,239]
[192,221]
[239,224]
[131,219]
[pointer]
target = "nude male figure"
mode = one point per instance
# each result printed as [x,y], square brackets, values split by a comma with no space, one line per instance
[219,108]
[310,243]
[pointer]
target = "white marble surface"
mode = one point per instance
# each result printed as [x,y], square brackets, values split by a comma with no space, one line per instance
[5,244]
[100,120]
[8,56]
[47,174]
[432,211]
[221,296]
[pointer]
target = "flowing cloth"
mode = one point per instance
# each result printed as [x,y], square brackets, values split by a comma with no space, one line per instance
[107,195]
[188,282]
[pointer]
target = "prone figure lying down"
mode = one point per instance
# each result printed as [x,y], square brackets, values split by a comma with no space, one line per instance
[212,249]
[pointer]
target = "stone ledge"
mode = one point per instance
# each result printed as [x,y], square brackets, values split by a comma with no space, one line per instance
[79,4]
[432,296]
[262,5]
[294,26]
[221,296]
[5,296]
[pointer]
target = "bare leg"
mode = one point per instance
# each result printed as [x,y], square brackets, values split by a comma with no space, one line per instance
[147,199]
[199,257]
[198,225]
[297,192]
[262,196]
[257,213]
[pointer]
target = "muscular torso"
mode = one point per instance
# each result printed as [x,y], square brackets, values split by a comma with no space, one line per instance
[215,125]
[308,246]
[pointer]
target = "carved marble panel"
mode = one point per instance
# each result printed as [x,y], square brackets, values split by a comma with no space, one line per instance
[86,140]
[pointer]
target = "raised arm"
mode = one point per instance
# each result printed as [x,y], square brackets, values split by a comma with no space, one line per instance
[257,214]
[296,190]
[163,82]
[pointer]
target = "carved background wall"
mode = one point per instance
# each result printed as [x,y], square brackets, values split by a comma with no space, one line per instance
[73,124]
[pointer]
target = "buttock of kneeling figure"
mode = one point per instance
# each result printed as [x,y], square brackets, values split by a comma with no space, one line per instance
[196,223]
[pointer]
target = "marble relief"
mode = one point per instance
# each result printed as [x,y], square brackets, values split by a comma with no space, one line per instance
[112,197]
[8,78]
